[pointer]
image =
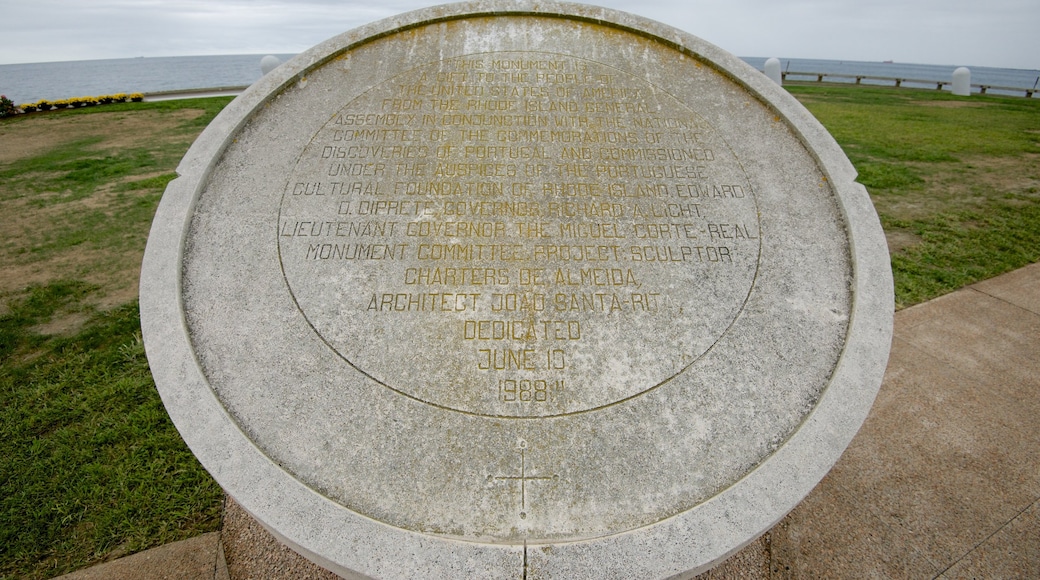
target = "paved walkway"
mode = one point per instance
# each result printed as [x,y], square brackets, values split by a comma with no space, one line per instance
[194,93]
[942,481]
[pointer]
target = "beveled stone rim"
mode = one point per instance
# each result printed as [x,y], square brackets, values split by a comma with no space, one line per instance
[351,544]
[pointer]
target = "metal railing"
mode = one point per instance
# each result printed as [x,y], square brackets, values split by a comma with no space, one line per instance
[899,81]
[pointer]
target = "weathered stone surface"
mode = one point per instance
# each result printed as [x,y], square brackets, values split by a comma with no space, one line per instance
[516,290]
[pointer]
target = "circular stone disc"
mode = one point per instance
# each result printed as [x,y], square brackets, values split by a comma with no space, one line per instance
[525,290]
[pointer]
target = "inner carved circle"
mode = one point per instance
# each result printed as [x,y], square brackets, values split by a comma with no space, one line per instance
[518,234]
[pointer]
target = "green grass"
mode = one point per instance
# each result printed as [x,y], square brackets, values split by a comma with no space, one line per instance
[92,467]
[159,182]
[956,179]
[75,172]
[965,247]
[78,168]
[91,463]
[85,204]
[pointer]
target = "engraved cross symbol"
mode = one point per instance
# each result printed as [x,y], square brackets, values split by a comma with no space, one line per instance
[523,478]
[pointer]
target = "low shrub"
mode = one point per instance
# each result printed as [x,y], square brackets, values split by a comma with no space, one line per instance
[7,108]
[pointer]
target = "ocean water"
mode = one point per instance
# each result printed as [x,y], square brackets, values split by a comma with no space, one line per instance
[28,83]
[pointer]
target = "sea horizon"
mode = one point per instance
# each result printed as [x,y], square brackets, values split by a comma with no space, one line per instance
[54,80]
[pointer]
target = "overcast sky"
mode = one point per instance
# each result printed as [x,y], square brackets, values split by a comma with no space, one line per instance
[1002,33]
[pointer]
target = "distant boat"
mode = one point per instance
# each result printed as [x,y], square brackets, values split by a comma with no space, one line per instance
[886,62]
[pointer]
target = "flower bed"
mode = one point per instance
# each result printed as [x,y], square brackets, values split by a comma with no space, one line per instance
[8,109]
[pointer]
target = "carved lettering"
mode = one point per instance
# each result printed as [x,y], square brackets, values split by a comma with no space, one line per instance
[517,210]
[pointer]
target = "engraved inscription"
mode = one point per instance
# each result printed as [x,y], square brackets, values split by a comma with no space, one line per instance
[478,232]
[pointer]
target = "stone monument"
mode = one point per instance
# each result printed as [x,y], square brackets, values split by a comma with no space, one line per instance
[516,290]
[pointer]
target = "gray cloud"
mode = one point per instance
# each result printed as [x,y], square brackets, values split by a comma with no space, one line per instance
[994,33]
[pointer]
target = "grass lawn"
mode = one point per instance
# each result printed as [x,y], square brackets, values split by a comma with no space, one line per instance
[92,467]
[955,180]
